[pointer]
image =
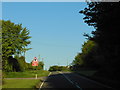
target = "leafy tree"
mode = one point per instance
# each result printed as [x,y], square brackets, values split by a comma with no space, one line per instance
[22,63]
[87,58]
[88,50]
[104,17]
[78,62]
[29,66]
[14,64]
[53,68]
[15,40]
[0,44]
[40,65]
[58,68]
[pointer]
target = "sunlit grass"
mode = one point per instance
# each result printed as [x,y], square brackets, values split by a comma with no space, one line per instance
[20,83]
[26,74]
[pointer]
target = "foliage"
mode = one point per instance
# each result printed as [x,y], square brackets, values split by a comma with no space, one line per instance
[22,63]
[104,17]
[58,68]
[26,74]
[40,65]
[15,40]
[0,39]
[86,58]
[20,83]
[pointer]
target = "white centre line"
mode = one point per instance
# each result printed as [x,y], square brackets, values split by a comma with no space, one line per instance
[43,82]
[70,81]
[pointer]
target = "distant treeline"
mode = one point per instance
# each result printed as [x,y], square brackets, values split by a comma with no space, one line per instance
[58,68]
[102,50]
[15,41]
[18,64]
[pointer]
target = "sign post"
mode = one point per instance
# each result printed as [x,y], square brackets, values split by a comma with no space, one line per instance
[35,63]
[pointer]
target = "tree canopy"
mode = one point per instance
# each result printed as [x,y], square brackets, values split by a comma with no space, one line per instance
[15,40]
[104,17]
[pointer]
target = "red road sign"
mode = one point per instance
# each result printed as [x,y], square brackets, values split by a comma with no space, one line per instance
[35,58]
[35,62]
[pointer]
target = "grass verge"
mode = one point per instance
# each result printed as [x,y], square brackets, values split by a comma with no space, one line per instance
[20,83]
[26,74]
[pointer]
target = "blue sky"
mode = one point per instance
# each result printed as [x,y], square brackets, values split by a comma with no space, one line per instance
[56,28]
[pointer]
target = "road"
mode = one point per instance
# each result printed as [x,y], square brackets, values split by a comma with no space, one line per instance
[58,80]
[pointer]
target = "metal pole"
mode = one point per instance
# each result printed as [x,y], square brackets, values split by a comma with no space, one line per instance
[36,73]
[39,57]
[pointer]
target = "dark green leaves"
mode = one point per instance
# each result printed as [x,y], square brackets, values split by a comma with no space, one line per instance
[15,39]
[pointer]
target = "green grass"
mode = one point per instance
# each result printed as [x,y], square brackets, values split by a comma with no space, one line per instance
[26,74]
[20,83]
[23,83]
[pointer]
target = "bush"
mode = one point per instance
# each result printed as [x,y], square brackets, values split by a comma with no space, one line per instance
[58,68]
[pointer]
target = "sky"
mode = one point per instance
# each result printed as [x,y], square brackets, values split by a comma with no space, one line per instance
[56,28]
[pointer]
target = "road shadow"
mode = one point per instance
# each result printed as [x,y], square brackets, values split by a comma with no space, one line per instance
[70,81]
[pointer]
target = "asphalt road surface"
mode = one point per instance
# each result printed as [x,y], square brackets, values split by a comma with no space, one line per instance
[59,80]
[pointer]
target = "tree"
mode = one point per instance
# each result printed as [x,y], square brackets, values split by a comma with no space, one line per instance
[15,40]
[104,17]
[77,62]
[58,68]
[40,65]
[87,58]
[0,44]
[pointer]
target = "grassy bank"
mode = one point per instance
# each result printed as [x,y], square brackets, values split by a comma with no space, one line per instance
[27,83]
[26,74]
[20,83]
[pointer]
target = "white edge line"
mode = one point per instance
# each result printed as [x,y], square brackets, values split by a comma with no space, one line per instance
[43,82]
[49,74]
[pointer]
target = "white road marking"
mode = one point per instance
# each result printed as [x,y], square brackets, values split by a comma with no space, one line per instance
[71,81]
[43,82]
[41,85]
[78,87]
[49,74]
